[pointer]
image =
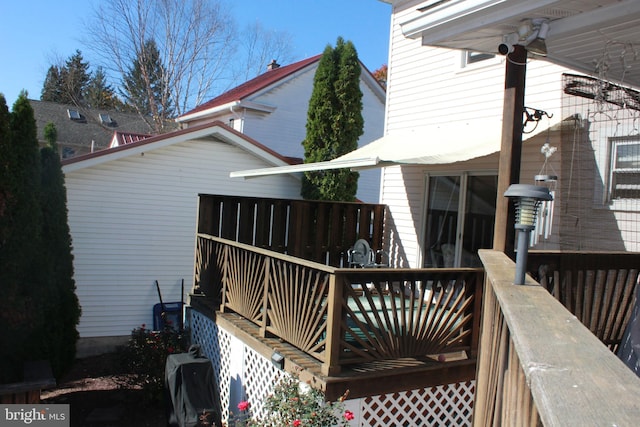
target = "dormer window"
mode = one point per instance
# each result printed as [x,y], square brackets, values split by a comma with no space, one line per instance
[105,119]
[74,114]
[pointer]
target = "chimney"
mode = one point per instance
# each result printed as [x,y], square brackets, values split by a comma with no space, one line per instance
[273,65]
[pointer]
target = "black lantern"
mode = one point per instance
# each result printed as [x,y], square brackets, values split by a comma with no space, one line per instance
[527,199]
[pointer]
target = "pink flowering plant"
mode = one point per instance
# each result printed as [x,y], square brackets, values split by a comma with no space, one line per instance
[291,406]
[145,357]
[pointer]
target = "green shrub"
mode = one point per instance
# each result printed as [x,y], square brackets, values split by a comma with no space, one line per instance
[145,358]
[293,405]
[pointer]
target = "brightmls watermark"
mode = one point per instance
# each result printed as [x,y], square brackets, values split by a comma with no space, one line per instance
[34,415]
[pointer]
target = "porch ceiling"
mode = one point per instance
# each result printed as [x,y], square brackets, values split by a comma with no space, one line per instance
[582,33]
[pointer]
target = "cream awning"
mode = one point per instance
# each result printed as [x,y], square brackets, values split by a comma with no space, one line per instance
[454,142]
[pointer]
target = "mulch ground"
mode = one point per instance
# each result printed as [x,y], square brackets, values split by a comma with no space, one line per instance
[99,395]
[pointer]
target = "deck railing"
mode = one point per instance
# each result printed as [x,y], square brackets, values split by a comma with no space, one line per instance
[597,287]
[343,316]
[539,365]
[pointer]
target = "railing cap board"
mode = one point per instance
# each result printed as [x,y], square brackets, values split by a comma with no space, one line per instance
[269,253]
[574,379]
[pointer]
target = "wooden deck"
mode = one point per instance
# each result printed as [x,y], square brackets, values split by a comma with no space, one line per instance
[540,356]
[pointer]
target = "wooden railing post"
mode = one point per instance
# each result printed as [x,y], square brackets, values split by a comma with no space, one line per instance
[331,364]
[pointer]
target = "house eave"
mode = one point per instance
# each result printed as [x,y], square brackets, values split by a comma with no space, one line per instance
[223,108]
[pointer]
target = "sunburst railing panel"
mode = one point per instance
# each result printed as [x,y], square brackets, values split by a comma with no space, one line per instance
[394,314]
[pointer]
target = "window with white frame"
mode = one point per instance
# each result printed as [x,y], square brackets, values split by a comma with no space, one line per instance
[625,168]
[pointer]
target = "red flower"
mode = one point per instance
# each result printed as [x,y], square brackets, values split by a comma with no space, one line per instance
[170,349]
[297,423]
[243,406]
[348,415]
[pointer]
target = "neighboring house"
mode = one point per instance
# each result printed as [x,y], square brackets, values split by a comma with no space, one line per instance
[84,130]
[132,216]
[272,108]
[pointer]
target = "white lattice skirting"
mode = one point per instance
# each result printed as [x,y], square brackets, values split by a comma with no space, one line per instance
[243,374]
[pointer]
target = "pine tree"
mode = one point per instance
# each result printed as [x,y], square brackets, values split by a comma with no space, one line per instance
[75,77]
[67,84]
[53,87]
[146,88]
[99,94]
[334,123]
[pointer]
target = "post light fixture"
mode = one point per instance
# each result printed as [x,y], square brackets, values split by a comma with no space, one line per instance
[527,199]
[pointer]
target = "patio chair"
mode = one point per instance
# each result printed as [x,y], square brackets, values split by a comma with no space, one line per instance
[362,256]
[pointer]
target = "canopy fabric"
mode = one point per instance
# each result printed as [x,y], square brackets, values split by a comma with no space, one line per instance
[440,144]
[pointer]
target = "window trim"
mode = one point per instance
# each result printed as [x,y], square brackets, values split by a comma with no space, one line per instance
[613,144]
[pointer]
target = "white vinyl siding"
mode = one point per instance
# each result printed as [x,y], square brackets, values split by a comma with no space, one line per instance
[428,87]
[133,221]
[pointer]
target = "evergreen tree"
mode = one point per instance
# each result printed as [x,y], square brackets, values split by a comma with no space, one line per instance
[22,317]
[64,307]
[39,310]
[75,77]
[145,87]
[99,94]
[334,123]
[51,134]
[53,87]
[67,84]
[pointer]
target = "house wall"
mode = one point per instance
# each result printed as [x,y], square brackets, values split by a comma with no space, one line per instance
[284,129]
[427,86]
[133,221]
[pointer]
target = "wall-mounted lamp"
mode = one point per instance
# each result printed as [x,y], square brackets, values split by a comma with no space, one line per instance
[536,42]
[278,360]
[532,33]
[526,198]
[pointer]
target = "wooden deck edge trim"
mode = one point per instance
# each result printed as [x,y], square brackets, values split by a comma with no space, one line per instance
[400,379]
[574,378]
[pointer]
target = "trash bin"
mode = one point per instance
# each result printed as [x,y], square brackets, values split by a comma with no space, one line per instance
[192,395]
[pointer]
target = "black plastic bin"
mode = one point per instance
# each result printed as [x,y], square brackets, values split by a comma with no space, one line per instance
[192,396]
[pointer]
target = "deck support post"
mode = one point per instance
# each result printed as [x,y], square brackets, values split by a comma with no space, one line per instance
[510,148]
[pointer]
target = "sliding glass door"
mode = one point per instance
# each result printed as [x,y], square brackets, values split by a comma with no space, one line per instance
[460,218]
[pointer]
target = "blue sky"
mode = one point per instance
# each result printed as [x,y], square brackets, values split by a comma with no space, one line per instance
[36,33]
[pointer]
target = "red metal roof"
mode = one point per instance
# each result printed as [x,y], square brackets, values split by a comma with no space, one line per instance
[254,85]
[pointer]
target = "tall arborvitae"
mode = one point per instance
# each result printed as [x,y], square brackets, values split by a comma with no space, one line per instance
[56,246]
[334,123]
[22,275]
